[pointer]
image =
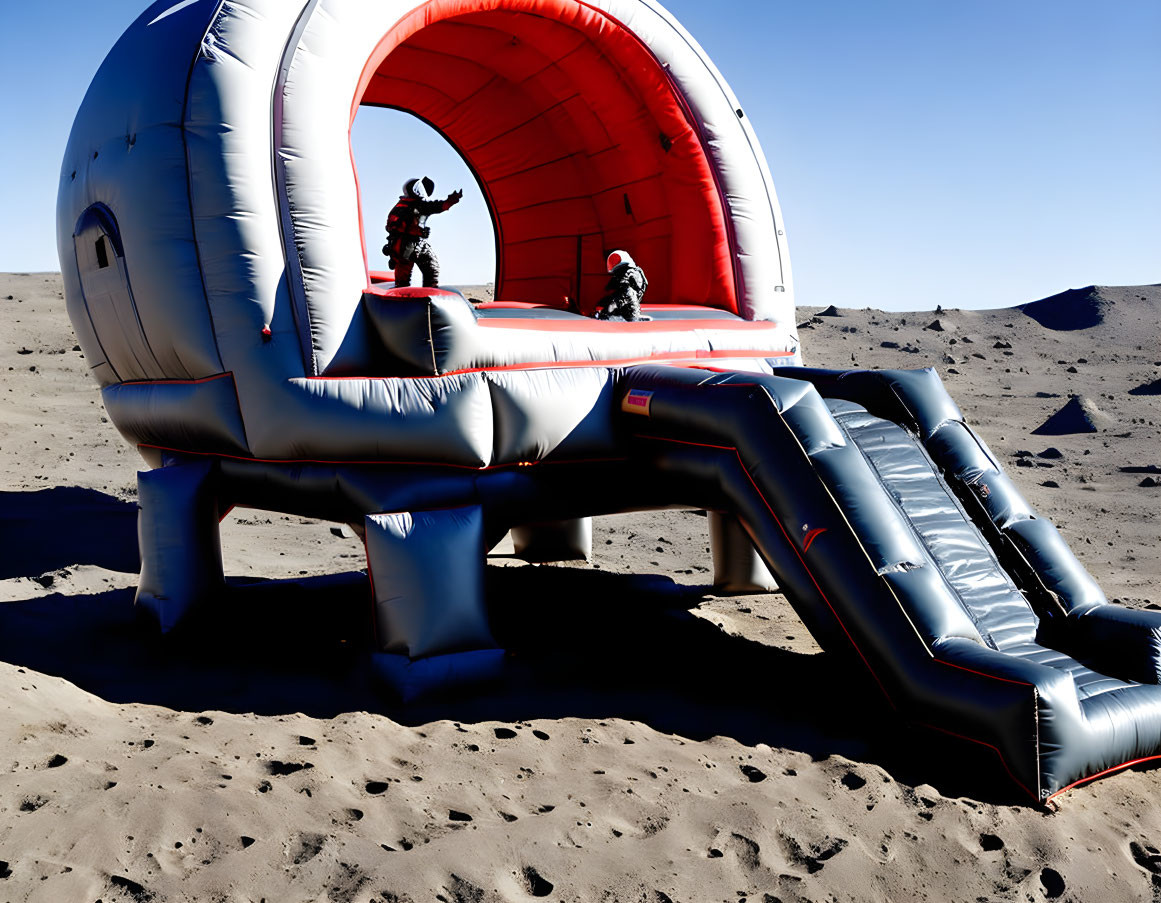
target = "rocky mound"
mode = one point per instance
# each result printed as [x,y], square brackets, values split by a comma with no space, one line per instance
[1153,388]
[1079,415]
[1077,308]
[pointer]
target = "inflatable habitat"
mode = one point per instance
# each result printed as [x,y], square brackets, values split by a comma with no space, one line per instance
[213,253]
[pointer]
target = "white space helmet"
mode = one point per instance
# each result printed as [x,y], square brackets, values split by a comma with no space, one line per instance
[421,188]
[617,258]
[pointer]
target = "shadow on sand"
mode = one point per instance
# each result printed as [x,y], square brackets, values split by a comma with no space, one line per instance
[583,644]
[53,528]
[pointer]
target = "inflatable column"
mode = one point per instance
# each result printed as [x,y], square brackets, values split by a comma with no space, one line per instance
[427,580]
[738,568]
[562,540]
[181,548]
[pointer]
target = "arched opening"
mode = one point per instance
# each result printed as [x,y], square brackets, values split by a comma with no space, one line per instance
[580,140]
[389,146]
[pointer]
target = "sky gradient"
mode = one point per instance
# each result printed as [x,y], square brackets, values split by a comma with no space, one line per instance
[924,153]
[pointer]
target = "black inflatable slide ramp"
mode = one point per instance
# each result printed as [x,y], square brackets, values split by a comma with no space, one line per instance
[904,548]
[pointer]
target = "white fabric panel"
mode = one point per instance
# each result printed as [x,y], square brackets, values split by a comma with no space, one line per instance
[446,420]
[762,261]
[320,81]
[218,137]
[314,163]
[427,570]
[126,151]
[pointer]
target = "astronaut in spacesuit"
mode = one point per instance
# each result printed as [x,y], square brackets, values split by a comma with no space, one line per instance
[407,231]
[624,290]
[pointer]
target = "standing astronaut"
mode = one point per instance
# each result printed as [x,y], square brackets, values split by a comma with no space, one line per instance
[625,289]
[407,231]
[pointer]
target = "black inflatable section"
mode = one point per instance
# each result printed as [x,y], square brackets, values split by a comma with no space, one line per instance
[884,519]
[904,548]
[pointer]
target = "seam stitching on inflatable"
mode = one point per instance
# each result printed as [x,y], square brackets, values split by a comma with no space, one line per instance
[1036,738]
[1007,680]
[921,539]
[431,341]
[679,359]
[189,177]
[293,278]
[381,462]
[855,645]
[731,101]
[789,542]
[88,314]
[174,382]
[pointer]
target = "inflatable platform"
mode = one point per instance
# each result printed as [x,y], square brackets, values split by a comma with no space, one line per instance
[212,247]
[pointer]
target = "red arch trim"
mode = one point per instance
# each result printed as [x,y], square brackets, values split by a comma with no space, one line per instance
[679,229]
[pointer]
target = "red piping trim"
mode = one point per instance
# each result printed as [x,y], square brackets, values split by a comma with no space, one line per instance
[377,463]
[710,369]
[436,11]
[1007,680]
[811,537]
[624,362]
[637,326]
[792,545]
[516,305]
[526,305]
[1100,774]
[994,749]
[757,489]
[667,356]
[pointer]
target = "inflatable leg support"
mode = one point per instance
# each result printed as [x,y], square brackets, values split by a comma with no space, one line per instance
[424,677]
[181,549]
[427,579]
[738,568]
[562,540]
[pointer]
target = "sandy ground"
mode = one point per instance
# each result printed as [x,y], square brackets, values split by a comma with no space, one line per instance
[649,741]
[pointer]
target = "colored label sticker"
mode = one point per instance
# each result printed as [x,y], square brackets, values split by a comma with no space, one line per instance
[637,402]
[811,537]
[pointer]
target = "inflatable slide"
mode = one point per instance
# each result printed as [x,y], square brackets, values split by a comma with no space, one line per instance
[213,251]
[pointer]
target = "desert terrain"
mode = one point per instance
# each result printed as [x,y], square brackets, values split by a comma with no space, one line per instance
[648,742]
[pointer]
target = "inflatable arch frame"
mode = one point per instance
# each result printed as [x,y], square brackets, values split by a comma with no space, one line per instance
[212,250]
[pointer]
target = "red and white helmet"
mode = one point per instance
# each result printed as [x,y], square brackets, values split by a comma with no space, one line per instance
[617,258]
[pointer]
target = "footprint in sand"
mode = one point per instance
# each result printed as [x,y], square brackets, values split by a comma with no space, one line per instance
[306,848]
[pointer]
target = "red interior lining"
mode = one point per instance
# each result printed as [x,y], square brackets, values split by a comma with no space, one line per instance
[579,136]
[513,305]
[635,328]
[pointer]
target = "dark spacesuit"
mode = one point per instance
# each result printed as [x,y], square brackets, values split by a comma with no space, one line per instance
[407,231]
[624,291]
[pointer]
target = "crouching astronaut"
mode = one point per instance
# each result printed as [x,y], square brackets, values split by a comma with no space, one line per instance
[625,289]
[407,231]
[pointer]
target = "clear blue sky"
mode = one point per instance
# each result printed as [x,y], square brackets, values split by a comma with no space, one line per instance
[925,151]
